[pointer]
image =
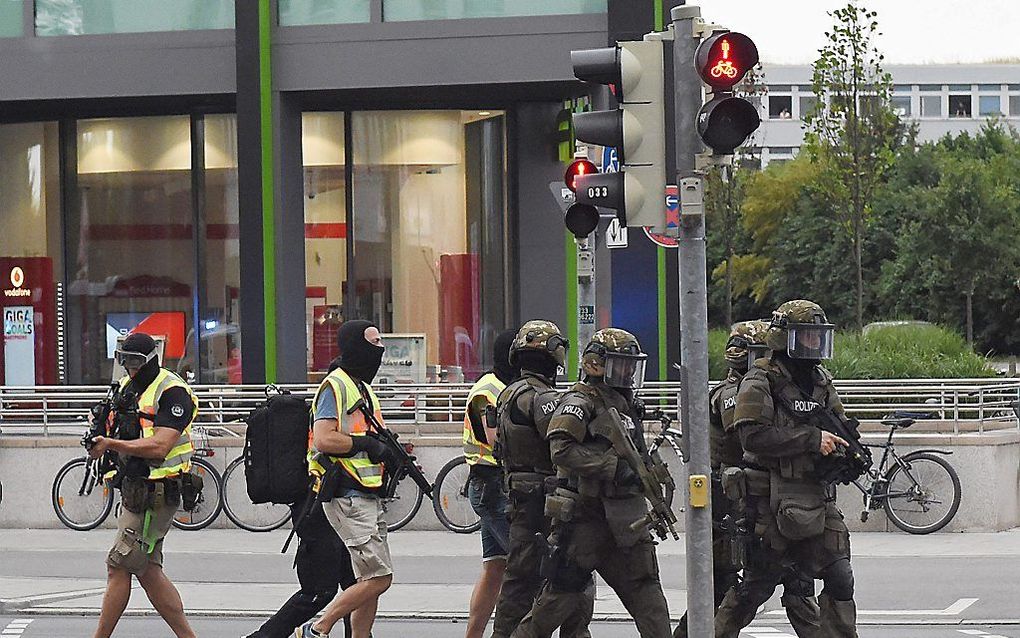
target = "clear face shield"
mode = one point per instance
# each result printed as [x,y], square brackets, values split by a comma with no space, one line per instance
[810,340]
[754,353]
[625,370]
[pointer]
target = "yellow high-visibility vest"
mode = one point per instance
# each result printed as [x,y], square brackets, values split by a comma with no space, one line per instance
[346,393]
[178,459]
[480,452]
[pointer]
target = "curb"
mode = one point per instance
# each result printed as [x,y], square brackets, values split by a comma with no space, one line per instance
[459,616]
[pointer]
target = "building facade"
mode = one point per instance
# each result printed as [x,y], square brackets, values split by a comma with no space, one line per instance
[941,99]
[242,177]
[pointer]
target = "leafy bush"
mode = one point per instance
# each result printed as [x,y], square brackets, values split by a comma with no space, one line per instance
[891,352]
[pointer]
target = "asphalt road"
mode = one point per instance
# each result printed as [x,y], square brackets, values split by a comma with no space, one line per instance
[51,627]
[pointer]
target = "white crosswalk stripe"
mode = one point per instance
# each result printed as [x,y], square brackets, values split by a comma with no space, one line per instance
[766,632]
[979,632]
[16,627]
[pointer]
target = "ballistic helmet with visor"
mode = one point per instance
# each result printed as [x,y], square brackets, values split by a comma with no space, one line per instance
[543,336]
[135,351]
[620,353]
[746,344]
[800,329]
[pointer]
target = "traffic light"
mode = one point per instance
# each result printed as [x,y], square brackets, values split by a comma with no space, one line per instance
[634,72]
[576,168]
[726,121]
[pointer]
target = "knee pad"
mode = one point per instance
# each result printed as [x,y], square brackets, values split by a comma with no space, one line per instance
[798,587]
[839,580]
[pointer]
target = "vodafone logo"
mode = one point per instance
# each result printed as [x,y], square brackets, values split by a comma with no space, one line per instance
[18,280]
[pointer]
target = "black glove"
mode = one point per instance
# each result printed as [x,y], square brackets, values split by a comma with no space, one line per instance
[376,449]
[625,475]
[638,407]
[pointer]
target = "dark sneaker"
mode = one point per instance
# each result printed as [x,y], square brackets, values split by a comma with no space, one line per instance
[306,631]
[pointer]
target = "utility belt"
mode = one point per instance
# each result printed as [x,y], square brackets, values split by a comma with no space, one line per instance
[485,472]
[138,495]
[526,484]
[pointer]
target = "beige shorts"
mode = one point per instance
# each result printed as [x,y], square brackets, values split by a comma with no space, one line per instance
[130,551]
[360,525]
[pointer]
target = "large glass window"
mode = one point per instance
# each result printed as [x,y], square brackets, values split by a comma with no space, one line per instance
[220,278]
[931,106]
[780,107]
[1014,106]
[300,12]
[901,105]
[960,105]
[402,10]
[428,234]
[322,147]
[30,254]
[131,242]
[83,17]
[10,18]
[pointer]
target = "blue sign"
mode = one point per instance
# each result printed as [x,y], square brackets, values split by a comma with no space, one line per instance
[610,160]
[672,202]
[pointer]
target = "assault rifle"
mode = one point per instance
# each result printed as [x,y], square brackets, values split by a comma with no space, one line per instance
[112,417]
[407,465]
[847,463]
[660,518]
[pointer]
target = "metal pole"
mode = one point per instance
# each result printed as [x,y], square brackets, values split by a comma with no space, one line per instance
[693,325]
[585,294]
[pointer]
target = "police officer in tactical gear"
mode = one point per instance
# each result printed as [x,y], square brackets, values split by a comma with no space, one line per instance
[746,344]
[523,411]
[599,507]
[777,406]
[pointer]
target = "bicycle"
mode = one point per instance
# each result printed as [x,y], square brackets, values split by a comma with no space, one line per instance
[263,517]
[450,499]
[81,507]
[915,483]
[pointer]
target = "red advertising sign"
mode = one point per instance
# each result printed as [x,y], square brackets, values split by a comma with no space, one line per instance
[28,354]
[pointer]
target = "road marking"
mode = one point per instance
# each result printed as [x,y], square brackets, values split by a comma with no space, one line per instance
[16,627]
[766,632]
[955,609]
[64,595]
[978,632]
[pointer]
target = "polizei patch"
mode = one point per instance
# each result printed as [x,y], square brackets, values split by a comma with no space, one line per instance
[574,410]
[801,405]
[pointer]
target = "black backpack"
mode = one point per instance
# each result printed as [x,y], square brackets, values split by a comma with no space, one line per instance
[276,449]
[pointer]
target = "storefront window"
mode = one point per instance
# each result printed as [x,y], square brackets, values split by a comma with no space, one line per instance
[85,17]
[428,235]
[10,18]
[403,10]
[325,233]
[30,254]
[301,12]
[131,243]
[219,322]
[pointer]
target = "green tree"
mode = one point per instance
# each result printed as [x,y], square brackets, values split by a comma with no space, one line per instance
[852,132]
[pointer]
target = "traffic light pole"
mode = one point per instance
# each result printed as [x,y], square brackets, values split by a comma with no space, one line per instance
[585,293]
[693,328]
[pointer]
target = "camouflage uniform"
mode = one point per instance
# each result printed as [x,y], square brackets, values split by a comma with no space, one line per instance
[796,519]
[523,411]
[597,535]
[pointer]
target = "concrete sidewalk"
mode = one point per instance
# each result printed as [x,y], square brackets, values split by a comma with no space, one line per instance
[49,595]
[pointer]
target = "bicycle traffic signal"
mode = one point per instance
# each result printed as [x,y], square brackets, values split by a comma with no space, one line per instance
[726,121]
[634,72]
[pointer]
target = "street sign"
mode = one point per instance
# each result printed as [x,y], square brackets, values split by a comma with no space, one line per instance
[616,235]
[610,160]
[586,315]
[672,210]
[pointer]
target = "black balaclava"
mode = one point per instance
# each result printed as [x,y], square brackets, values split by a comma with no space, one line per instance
[501,357]
[538,362]
[142,344]
[802,371]
[358,357]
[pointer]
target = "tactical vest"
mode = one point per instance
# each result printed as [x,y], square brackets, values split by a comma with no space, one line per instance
[793,408]
[523,448]
[601,400]
[358,466]
[726,450]
[480,452]
[178,459]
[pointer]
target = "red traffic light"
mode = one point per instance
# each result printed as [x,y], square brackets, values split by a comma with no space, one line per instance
[725,58]
[576,168]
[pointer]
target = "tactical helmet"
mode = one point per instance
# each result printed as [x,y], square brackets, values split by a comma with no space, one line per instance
[543,336]
[620,353]
[746,343]
[800,329]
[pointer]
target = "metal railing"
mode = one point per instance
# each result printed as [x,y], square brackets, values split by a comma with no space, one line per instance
[432,409]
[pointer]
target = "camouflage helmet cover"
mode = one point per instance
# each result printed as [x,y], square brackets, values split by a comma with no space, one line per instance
[608,340]
[620,355]
[798,311]
[541,335]
[743,336]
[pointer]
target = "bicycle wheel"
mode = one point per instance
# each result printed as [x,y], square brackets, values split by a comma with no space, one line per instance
[450,498]
[399,510]
[210,501]
[86,511]
[925,497]
[264,517]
